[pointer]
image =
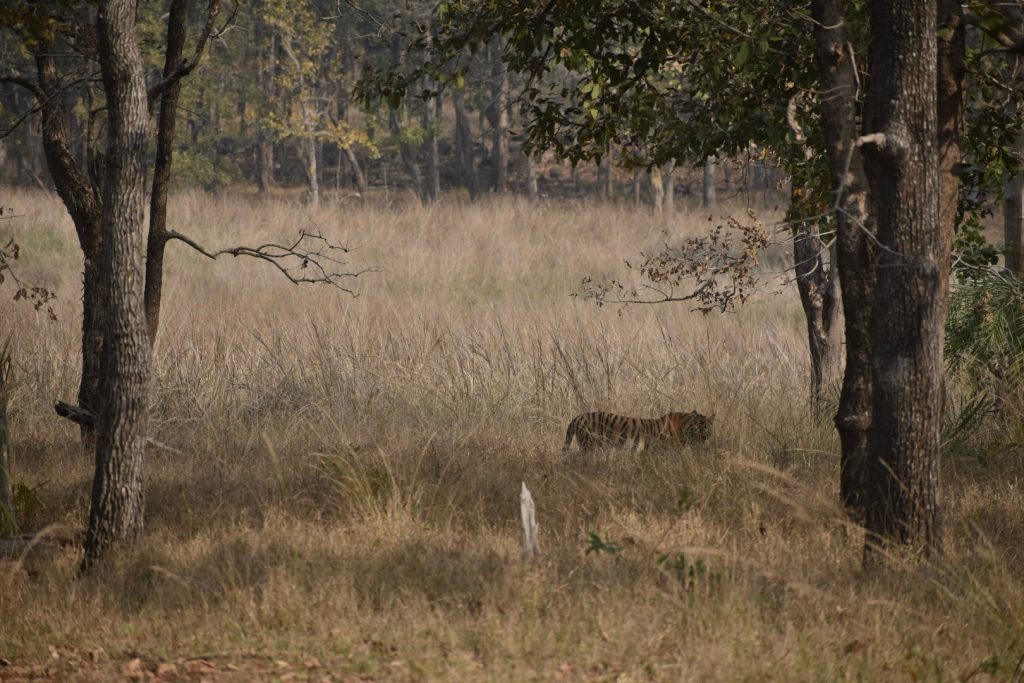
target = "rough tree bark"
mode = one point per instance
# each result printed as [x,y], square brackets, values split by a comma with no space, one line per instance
[157,240]
[82,199]
[854,248]
[901,160]
[116,515]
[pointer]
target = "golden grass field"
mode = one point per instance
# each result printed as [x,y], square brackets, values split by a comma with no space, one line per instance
[342,497]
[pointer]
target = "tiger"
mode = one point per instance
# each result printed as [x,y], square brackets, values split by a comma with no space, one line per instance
[591,429]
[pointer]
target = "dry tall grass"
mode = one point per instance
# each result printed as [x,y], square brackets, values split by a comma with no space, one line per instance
[344,492]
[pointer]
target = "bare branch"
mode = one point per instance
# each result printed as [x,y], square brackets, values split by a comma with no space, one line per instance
[310,259]
[26,83]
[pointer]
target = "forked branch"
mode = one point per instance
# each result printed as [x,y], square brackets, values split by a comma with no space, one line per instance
[310,259]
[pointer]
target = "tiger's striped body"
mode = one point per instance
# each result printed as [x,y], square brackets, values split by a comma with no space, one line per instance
[598,428]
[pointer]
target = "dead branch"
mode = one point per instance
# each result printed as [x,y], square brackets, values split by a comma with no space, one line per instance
[310,259]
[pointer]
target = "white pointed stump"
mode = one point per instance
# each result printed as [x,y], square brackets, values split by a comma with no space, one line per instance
[528,518]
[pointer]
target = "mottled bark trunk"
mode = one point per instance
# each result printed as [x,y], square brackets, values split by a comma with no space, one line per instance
[357,171]
[499,101]
[818,287]
[116,515]
[83,203]
[311,167]
[912,265]
[177,33]
[708,197]
[854,249]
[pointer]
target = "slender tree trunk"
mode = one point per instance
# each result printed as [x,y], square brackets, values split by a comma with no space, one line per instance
[708,195]
[854,247]
[177,33]
[8,520]
[531,179]
[1013,216]
[431,123]
[357,170]
[913,262]
[116,515]
[499,96]
[264,142]
[637,198]
[312,168]
[82,200]
[657,185]
[669,183]
[819,297]
[606,177]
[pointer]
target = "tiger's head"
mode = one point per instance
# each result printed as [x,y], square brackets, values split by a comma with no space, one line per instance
[688,427]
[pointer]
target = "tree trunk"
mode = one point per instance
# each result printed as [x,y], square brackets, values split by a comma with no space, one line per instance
[8,520]
[464,158]
[83,203]
[854,248]
[177,33]
[636,188]
[708,195]
[819,297]
[1013,216]
[264,142]
[357,170]
[657,185]
[499,100]
[531,179]
[605,177]
[913,262]
[432,123]
[116,515]
[312,169]
[669,183]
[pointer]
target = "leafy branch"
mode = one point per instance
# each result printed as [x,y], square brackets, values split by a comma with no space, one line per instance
[715,271]
[39,296]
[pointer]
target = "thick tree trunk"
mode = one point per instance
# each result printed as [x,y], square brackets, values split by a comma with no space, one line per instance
[465,164]
[913,262]
[819,297]
[854,248]
[83,203]
[177,33]
[116,515]
[708,194]
[499,101]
